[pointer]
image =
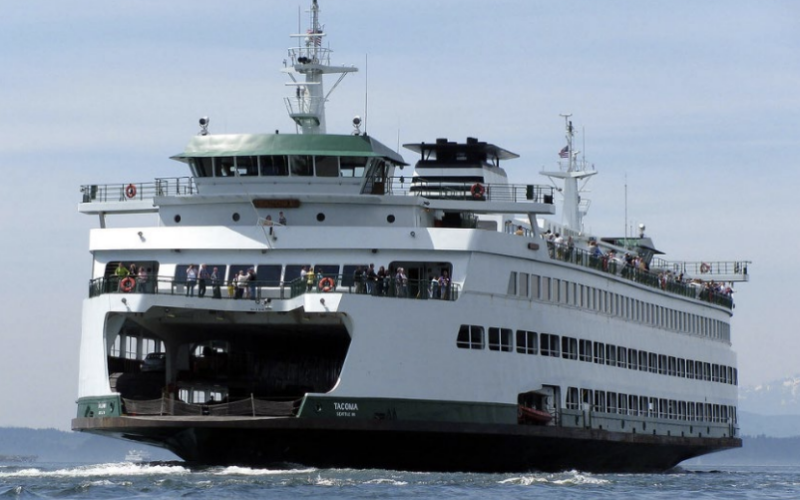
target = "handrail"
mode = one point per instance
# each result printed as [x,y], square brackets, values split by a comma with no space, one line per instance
[474,191]
[605,264]
[137,191]
[268,290]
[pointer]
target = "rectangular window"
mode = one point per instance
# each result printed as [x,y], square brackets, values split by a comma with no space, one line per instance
[499,339]
[247,166]
[681,367]
[633,359]
[569,348]
[672,366]
[550,345]
[527,342]
[512,283]
[326,166]
[611,355]
[662,364]
[585,350]
[301,166]
[292,272]
[269,274]
[352,166]
[535,286]
[689,368]
[622,357]
[273,166]
[644,359]
[652,362]
[470,337]
[523,284]
[546,282]
[349,274]
[599,353]
[573,402]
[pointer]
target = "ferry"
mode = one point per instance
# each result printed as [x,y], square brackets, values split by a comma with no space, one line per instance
[310,298]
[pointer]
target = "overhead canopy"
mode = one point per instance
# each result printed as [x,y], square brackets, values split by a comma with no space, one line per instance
[202,146]
[443,148]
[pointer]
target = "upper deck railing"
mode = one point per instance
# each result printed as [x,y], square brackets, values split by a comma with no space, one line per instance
[399,186]
[263,290]
[136,191]
[692,289]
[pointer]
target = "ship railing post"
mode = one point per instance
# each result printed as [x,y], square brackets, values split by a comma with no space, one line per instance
[253,403]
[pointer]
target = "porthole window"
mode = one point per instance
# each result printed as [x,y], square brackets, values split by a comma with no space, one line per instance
[390,218]
[236,217]
[177,218]
[320,217]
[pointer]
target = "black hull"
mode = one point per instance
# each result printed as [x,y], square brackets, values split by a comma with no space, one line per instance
[405,445]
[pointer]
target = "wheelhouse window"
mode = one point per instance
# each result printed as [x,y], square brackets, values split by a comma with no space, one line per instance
[301,166]
[326,166]
[470,337]
[352,166]
[201,167]
[273,166]
[225,166]
[247,166]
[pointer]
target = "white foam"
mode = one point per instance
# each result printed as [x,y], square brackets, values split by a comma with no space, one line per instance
[247,471]
[566,478]
[101,470]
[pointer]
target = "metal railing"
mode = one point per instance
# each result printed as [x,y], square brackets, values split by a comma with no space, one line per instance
[620,268]
[251,407]
[137,191]
[262,290]
[475,191]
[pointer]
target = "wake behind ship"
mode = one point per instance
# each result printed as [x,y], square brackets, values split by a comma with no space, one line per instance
[301,298]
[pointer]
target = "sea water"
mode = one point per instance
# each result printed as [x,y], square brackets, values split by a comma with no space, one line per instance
[175,479]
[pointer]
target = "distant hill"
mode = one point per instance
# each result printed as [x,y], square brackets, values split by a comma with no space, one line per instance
[779,397]
[51,445]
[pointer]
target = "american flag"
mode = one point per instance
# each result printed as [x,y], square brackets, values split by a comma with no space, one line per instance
[564,153]
[317,40]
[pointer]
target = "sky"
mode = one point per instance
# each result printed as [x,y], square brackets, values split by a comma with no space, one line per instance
[691,108]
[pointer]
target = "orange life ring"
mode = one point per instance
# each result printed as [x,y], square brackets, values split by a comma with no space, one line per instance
[127,284]
[130,191]
[704,268]
[478,191]
[326,284]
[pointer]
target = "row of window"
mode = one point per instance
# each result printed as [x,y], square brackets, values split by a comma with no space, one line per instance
[648,406]
[545,344]
[613,304]
[280,165]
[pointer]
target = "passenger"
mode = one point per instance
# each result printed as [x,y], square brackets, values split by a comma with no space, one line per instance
[519,231]
[281,219]
[216,293]
[141,280]
[303,273]
[358,279]
[433,290]
[372,280]
[310,279]
[268,222]
[241,284]
[401,283]
[202,281]
[232,286]
[381,288]
[444,285]
[251,282]
[191,280]
[558,242]
[120,274]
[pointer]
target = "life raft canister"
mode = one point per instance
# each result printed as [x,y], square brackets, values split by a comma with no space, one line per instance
[127,284]
[130,191]
[326,284]
[478,191]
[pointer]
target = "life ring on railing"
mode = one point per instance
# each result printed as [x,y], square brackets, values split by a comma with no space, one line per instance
[704,268]
[127,284]
[130,191]
[478,191]
[326,284]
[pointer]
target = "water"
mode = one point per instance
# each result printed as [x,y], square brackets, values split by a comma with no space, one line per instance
[174,480]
